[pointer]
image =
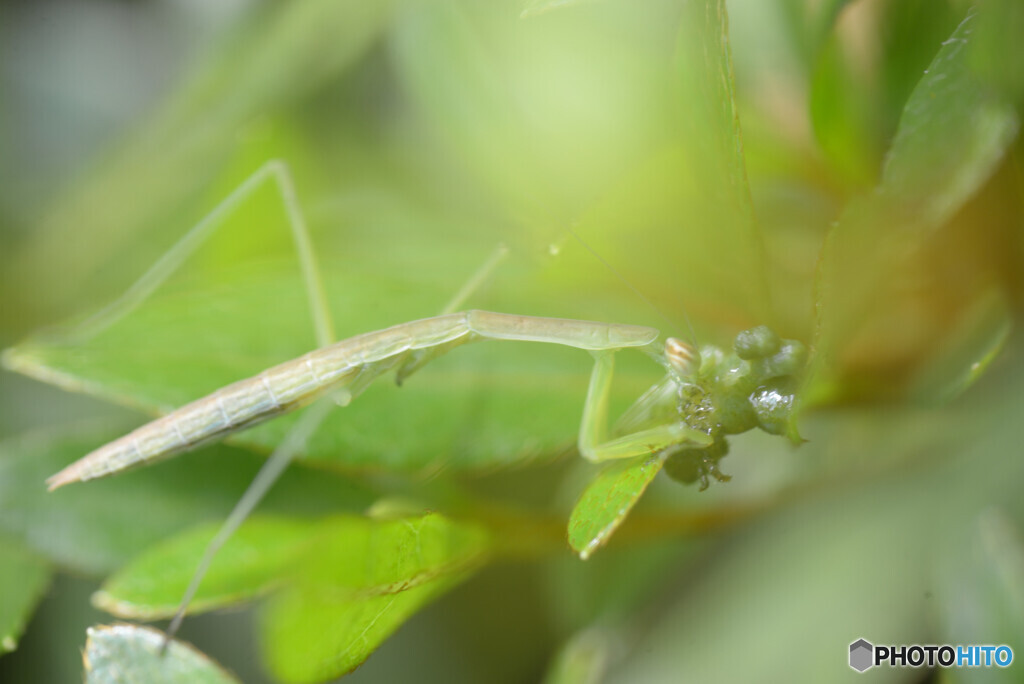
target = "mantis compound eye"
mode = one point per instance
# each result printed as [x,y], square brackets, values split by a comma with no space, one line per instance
[683,358]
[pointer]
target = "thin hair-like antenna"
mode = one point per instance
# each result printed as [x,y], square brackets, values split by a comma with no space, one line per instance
[644,298]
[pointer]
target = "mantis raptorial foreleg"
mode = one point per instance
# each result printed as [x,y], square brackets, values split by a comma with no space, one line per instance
[594,444]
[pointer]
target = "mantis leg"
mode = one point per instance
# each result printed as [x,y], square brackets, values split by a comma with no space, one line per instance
[275,171]
[594,443]
[261,484]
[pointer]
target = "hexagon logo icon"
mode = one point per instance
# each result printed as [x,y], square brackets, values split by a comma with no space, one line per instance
[861,655]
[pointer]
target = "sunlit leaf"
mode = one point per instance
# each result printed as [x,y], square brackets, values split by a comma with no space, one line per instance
[24,578]
[394,554]
[253,561]
[363,579]
[126,654]
[607,500]
[312,636]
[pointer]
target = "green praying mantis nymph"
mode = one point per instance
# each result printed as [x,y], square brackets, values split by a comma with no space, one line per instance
[683,419]
[701,398]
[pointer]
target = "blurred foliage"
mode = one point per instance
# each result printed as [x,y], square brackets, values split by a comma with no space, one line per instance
[125,653]
[846,172]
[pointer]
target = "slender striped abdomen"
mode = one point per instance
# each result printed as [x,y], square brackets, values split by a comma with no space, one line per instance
[297,382]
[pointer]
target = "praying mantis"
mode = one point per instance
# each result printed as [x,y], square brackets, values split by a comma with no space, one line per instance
[682,419]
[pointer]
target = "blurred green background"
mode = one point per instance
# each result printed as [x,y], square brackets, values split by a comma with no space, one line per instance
[847,172]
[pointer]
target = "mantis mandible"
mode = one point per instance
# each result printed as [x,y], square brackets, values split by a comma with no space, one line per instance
[702,397]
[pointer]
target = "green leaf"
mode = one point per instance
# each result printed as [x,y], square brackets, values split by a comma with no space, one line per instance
[861,83]
[485,405]
[994,56]
[655,218]
[313,636]
[953,133]
[368,556]
[844,116]
[126,654]
[339,586]
[357,584]
[607,500]
[952,136]
[24,577]
[256,558]
[239,305]
[97,526]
